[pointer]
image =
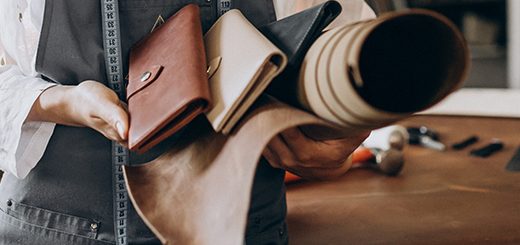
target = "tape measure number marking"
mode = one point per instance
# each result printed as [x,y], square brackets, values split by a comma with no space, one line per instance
[112,49]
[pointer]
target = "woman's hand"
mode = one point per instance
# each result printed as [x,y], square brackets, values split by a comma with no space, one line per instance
[311,159]
[89,104]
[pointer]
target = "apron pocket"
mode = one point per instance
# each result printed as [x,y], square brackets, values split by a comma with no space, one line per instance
[48,223]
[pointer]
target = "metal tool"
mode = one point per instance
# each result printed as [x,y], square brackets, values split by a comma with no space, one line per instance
[390,162]
[426,137]
[489,149]
[465,143]
[394,136]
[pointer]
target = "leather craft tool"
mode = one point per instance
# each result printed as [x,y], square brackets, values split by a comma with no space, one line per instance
[425,137]
[489,149]
[394,136]
[465,143]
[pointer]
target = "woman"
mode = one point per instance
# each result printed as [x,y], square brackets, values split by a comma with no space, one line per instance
[58,118]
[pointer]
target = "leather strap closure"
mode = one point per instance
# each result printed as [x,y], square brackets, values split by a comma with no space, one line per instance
[213,66]
[142,80]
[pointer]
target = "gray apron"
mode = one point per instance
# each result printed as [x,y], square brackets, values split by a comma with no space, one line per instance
[67,198]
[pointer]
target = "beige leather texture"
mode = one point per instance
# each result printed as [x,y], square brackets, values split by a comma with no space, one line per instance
[248,62]
[199,192]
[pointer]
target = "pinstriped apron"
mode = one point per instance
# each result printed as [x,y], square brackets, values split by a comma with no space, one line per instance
[67,198]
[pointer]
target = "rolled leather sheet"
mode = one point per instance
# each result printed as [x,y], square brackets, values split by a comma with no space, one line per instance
[199,192]
[373,73]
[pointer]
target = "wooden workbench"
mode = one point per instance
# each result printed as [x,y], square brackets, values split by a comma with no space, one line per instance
[439,198]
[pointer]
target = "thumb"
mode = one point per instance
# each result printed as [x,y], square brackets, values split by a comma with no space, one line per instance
[117,117]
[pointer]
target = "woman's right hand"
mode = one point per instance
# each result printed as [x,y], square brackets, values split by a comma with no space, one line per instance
[89,104]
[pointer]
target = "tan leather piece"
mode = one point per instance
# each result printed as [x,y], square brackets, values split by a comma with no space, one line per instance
[247,63]
[439,197]
[199,192]
[333,77]
[167,73]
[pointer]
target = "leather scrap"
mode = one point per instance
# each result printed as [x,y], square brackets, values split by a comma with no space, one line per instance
[199,191]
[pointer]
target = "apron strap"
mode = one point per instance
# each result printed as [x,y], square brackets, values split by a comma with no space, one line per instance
[114,70]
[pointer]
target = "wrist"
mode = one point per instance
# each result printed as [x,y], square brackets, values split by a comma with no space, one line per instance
[51,105]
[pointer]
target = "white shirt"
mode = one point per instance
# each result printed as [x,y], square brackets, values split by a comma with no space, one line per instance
[22,144]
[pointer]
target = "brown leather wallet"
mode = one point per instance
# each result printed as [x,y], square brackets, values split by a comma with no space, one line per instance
[168,86]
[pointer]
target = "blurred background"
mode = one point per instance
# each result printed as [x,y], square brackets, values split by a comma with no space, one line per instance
[492,29]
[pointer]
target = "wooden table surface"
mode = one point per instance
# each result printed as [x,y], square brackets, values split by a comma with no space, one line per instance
[439,198]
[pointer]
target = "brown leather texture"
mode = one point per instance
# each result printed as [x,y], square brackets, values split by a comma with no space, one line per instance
[439,198]
[168,86]
[199,192]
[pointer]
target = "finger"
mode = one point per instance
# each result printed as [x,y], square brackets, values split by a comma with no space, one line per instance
[281,151]
[308,152]
[294,138]
[323,173]
[292,158]
[125,122]
[123,143]
[111,134]
[351,141]
[346,146]
[327,153]
[117,117]
[273,160]
[107,130]
[124,105]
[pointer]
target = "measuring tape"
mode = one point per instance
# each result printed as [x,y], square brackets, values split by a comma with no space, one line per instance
[223,6]
[112,49]
[113,58]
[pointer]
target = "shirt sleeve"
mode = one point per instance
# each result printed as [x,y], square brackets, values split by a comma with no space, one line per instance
[22,144]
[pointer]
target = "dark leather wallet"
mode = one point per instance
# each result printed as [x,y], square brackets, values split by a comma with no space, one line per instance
[294,35]
[168,85]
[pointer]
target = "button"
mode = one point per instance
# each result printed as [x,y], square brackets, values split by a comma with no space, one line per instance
[145,76]
[9,203]
[281,232]
[93,226]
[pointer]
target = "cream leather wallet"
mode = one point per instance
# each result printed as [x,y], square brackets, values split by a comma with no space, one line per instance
[242,62]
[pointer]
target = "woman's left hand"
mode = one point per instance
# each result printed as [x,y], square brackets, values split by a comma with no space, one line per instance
[312,159]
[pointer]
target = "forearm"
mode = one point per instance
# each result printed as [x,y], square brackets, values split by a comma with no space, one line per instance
[52,106]
[89,104]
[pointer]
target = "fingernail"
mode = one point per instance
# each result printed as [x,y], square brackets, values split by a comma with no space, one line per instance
[120,129]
